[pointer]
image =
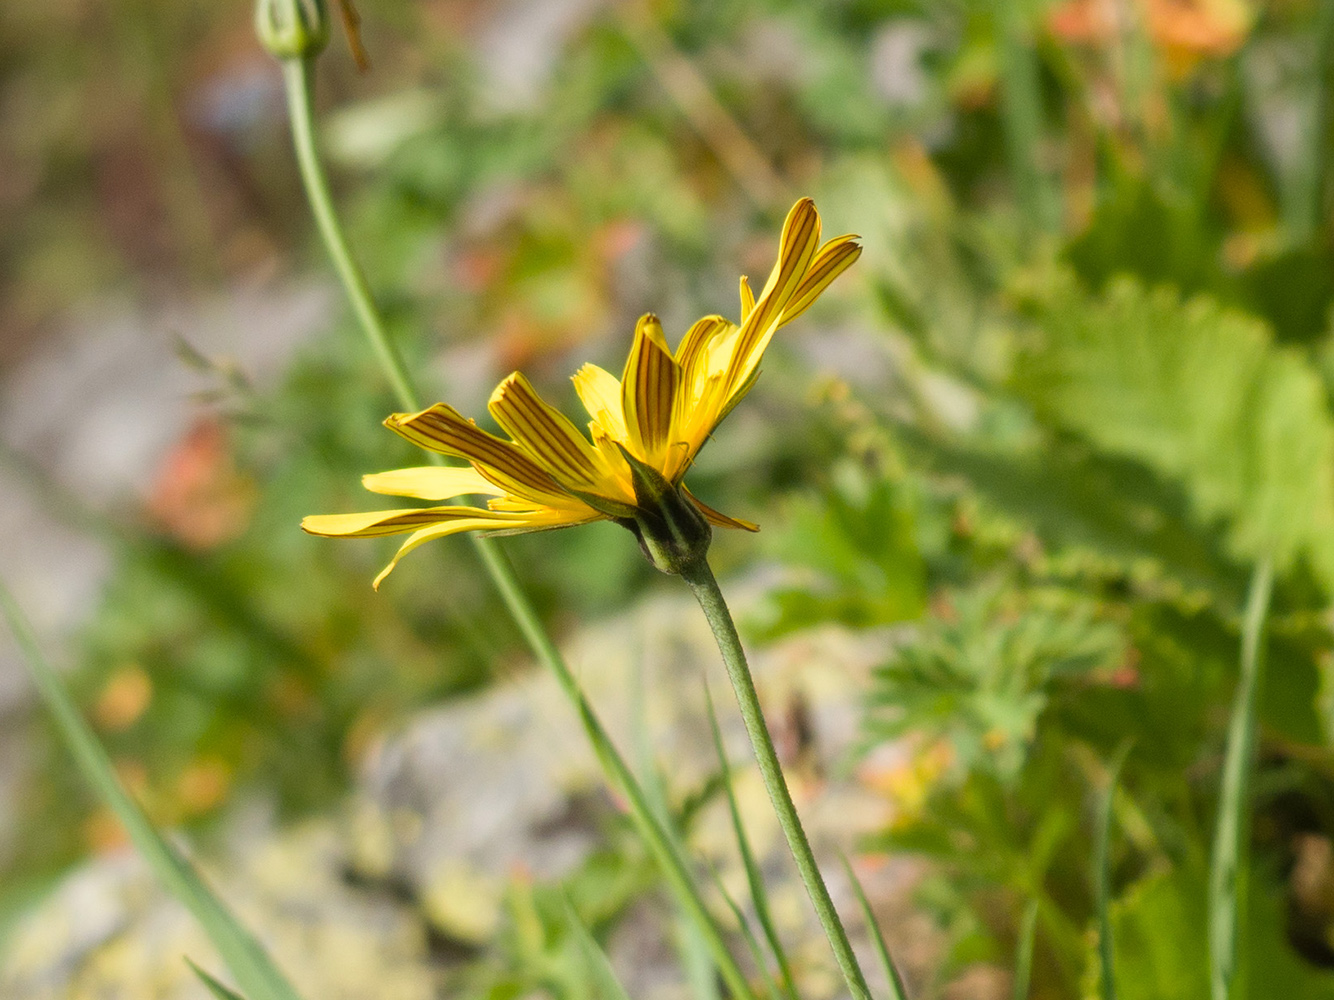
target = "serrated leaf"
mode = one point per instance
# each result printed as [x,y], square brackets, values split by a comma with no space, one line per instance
[1201,395]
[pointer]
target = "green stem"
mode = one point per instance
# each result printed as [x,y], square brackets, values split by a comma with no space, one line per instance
[297,73]
[701,580]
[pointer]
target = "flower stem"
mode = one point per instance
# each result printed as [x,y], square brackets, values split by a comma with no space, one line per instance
[297,74]
[701,580]
[674,864]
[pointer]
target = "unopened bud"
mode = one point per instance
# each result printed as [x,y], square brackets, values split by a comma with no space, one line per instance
[292,29]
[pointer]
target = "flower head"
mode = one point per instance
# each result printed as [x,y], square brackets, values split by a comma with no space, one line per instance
[646,429]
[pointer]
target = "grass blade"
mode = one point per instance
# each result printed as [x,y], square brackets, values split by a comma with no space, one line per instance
[692,945]
[214,987]
[1021,112]
[1103,877]
[892,977]
[1023,962]
[759,896]
[248,961]
[752,942]
[1226,866]
[609,984]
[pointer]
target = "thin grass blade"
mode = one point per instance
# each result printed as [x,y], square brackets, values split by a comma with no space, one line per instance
[1227,865]
[608,983]
[692,945]
[1103,877]
[752,942]
[892,977]
[214,987]
[249,963]
[755,880]
[1023,962]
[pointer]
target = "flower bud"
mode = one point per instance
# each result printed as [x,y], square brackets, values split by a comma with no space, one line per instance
[671,530]
[292,29]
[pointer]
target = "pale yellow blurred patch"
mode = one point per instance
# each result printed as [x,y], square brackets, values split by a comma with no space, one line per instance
[123,699]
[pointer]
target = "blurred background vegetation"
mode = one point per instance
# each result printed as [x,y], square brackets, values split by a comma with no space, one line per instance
[1077,387]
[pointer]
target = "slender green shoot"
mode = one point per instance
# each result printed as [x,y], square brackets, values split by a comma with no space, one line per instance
[754,878]
[701,580]
[608,984]
[1226,869]
[691,946]
[214,987]
[1021,113]
[249,963]
[1023,961]
[892,978]
[752,942]
[1102,865]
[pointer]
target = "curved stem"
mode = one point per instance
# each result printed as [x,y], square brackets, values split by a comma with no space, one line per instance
[675,867]
[297,76]
[710,597]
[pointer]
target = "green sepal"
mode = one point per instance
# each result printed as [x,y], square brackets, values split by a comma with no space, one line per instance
[292,29]
[672,531]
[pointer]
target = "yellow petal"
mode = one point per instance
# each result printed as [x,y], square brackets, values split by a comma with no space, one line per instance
[441,428]
[600,392]
[550,438]
[834,258]
[797,247]
[747,298]
[491,523]
[372,524]
[431,482]
[648,390]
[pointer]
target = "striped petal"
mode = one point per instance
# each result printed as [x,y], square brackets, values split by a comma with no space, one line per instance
[490,523]
[648,390]
[797,248]
[834,258]
[372,524]
[442,429]
[549,437]
[747,298]
[431,482]
[600,392]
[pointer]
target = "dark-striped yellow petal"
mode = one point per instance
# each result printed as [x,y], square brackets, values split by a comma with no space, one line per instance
[834,258]
[549,437]
[648,390]
[797,247]
[442,429]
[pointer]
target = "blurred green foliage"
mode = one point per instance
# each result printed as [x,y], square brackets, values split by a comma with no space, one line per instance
[1097,292]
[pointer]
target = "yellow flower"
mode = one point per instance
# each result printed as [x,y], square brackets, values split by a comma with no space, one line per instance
[645,431]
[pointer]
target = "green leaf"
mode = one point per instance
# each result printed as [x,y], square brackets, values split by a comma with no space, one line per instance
[1202,396]
[247,960]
